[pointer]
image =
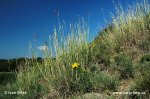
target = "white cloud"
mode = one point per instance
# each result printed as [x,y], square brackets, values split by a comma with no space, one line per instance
[43,48]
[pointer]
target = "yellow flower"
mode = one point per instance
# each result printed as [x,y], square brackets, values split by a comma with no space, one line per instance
[75,65]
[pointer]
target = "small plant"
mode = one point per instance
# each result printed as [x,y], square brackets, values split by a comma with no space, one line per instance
[81,81]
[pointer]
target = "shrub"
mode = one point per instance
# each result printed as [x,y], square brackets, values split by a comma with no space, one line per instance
[105,81]
[124,65]
[142,80]
[102,53]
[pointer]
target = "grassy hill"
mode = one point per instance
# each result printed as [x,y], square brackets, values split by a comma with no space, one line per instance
[118,60]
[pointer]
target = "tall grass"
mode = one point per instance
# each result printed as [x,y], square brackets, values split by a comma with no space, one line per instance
[52,75]
[129,28]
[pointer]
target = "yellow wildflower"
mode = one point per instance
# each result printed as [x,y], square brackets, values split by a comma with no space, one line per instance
[75,65]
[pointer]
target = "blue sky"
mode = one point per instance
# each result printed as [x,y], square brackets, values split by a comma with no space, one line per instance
[20,19]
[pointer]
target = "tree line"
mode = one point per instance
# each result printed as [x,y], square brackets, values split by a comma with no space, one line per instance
[9,65]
